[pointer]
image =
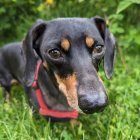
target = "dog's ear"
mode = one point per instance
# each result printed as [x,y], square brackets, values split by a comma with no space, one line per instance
[110,53]
[31,50]
[110,45]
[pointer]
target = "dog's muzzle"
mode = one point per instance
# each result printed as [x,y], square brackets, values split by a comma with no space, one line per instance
[92,99]
[93,103]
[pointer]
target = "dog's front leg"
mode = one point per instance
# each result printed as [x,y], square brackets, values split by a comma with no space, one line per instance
[6,94]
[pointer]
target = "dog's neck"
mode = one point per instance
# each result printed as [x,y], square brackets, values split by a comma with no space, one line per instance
[54,98]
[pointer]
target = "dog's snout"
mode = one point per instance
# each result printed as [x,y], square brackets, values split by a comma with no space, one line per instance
[93,103]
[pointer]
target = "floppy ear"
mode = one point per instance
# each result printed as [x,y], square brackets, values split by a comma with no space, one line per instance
[31,50]
[110,54]
[110,45]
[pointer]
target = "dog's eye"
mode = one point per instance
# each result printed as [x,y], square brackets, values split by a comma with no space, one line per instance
[98,48]
[55,53]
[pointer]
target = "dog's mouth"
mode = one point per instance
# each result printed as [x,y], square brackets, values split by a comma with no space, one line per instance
[86,111]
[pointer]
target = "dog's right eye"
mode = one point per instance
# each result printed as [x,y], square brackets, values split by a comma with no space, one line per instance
[54,53]
[98,48]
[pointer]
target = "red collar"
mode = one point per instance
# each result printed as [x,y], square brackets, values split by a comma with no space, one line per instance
[44,110]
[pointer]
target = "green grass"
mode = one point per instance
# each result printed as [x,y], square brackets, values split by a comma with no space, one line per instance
[119,121]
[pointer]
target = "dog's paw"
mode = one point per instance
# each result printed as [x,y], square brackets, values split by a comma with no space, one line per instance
[75,122]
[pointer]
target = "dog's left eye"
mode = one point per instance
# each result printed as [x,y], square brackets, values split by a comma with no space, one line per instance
[55,53]
[98,48]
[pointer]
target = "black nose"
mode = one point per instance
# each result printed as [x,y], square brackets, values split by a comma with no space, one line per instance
[93,103]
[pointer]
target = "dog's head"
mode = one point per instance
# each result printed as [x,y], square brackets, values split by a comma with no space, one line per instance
[72,48]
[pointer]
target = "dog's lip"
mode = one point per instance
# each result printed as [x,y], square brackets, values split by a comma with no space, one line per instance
[93,110]
[77,108]
[86,111]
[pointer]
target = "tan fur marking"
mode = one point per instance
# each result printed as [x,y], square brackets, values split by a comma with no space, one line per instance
[69,87]
[101,81]
[14,82]
[45,65]
[65,44]
[89,41]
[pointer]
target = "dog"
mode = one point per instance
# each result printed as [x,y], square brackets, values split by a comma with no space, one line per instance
[57,64]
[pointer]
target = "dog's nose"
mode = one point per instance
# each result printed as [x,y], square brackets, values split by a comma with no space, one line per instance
[93,103]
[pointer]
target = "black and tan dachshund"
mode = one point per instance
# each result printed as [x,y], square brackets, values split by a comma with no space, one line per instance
[62,57]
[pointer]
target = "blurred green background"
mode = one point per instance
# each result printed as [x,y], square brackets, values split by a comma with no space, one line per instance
[121,119]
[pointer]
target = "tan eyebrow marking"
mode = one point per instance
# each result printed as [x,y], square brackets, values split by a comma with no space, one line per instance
[89,41]
[65,44]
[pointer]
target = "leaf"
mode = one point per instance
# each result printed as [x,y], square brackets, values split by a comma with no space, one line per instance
[123,5]
[137,39]
[126,3]
[136,1]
